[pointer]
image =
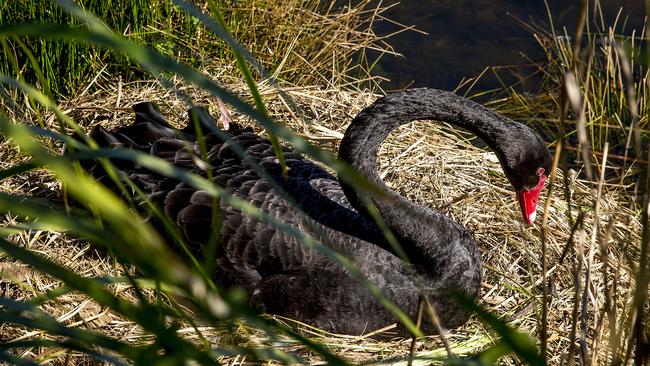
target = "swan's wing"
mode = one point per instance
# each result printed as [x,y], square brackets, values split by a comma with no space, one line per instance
[249,249]
[281,274]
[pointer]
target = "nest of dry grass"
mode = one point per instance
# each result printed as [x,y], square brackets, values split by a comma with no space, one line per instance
[428,163]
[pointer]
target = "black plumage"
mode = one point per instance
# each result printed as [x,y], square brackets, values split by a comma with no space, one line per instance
[281,275]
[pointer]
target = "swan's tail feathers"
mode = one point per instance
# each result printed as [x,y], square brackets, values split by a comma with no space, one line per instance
[199,116]
[151,133]
[149,112]
[104,138]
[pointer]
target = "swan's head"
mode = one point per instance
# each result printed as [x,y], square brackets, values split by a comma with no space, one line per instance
[527,170]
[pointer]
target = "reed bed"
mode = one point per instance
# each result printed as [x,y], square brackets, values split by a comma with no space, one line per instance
[592,106]
[303,42]
[608,68]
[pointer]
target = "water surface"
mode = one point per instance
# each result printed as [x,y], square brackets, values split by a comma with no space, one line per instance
[466,37]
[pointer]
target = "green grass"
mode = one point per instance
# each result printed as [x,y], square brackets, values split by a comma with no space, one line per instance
[67,66]
[325,41]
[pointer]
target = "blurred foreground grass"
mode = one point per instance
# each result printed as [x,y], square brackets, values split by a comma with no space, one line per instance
[578,283]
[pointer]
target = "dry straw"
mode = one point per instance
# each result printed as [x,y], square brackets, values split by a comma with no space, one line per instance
[429,163]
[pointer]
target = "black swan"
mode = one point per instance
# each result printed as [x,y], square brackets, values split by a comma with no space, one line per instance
[282,276]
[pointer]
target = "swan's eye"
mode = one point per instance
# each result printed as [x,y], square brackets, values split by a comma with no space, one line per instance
[540,172]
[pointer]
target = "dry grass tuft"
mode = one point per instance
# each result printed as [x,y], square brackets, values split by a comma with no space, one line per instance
[428,163]
[308,42]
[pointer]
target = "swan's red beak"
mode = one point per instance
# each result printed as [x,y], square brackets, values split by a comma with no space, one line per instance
[528,199]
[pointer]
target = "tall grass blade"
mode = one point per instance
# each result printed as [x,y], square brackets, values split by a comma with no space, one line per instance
[13,360]
[639,337]
[39,320]
[62,344]
[515,341]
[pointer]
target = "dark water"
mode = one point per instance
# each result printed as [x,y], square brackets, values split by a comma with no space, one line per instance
[465,37]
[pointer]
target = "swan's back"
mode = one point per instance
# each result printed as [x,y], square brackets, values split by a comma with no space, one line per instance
[281,275]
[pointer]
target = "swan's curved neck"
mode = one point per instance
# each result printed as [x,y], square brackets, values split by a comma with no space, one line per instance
[425,234]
